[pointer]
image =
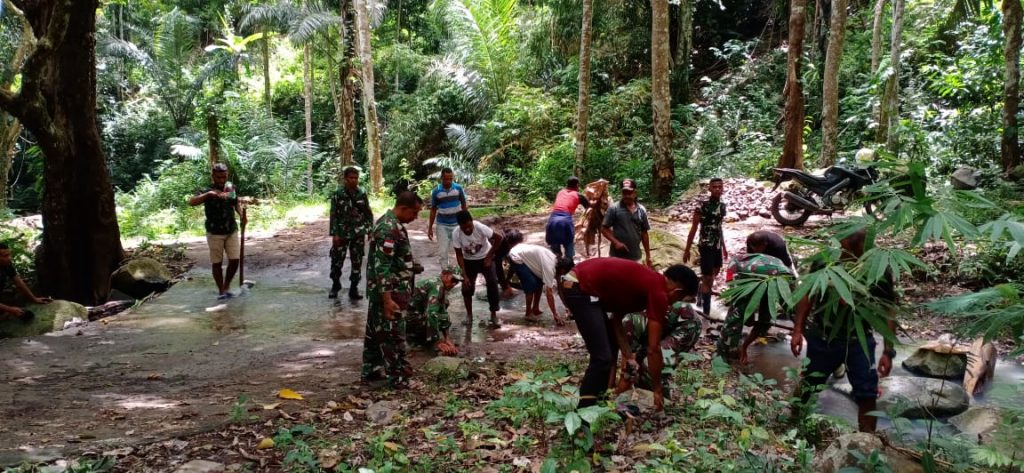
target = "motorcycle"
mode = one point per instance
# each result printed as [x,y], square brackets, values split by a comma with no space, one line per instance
[818,194]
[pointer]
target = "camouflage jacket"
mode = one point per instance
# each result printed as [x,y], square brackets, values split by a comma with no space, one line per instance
[430,300]
[389,268]
[681,330]
[711,214]
[350,213]
[220,213]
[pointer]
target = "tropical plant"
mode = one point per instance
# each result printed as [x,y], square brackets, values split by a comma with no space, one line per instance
[483,37]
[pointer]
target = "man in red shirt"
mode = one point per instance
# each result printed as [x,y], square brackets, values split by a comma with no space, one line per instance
[600,286]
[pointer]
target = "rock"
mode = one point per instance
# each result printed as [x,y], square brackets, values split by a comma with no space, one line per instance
[200,466]
[765,213]
[731,217]
[935,364]
[742,214]
[666,249]
[923,397]
[48,318]
[837,456]
[976,421]
[756,220]
[383,412]
[448,367]
[141,277]
[965,178]
[641,398]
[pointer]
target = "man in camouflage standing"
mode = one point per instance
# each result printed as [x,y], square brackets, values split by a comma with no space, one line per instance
[351,219]
[389,285]
[428,321]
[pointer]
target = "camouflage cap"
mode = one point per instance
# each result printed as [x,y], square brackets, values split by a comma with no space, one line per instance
[454,271]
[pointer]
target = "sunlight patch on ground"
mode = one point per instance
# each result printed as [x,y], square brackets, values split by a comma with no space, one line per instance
[141,401]
[306,213]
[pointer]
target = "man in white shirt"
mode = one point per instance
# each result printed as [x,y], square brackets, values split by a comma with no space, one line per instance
[475,245]
[535,266]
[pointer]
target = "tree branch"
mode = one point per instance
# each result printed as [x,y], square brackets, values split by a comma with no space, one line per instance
[11,103]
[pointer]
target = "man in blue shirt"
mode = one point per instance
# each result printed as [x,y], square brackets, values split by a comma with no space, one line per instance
[446,200]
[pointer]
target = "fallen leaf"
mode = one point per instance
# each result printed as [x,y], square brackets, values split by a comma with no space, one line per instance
[347,416]
[289,394]
[265,444]
[154,376]
[270,407]
[392,446]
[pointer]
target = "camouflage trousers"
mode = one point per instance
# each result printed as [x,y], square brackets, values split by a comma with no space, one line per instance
[354,247]
[424,328]
[683,339]
[732,331]
[384,346]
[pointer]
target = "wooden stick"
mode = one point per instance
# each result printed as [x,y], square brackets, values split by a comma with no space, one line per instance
[241,253]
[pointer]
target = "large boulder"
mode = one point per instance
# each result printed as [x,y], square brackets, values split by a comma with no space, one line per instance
[48,318]
[965,178]
[447,367]
[925,362]
[920,397]
[666,249]
[976,421]
[140,277]
[838,455]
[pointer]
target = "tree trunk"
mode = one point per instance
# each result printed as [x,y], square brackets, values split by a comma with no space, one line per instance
[373,157]
[347,120]
[684,49]
[661,100]
[889,107]
[1009,147]
[792,150]
[583,102]
[307,99]
[266,73]
[876,35]
[830,84]
[10,127]
[81,244]
[213,136]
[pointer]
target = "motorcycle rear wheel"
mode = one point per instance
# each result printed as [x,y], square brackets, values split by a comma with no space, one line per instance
[789,214]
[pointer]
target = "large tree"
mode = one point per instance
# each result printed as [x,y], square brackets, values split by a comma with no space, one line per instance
[365,53]
[1009,146]
[876,35]
[583,101]
[830,84]
[57,103]
[10,127]
[663,172]
[793,116]
[888,114]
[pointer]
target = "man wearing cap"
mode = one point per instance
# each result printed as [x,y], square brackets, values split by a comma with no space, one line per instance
[428,321]
[560,231]
[220,205]
[626,226]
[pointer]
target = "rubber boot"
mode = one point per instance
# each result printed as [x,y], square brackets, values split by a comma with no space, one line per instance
[353,293]
[335,287]
[705,300]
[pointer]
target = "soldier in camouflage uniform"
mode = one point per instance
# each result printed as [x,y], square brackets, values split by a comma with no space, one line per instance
[428,322]
[351,219]
[389,285]
[748,266]
[707,217]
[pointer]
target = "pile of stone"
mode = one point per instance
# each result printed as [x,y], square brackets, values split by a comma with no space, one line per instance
[744,198]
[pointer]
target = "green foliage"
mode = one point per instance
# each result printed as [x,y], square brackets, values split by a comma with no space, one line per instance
[483,36]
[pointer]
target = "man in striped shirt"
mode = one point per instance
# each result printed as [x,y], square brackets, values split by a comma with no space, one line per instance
[446,200]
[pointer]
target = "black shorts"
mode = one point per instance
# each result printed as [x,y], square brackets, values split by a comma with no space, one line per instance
[710,260]
[825,357]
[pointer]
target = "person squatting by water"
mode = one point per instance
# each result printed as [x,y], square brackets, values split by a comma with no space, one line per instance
[389,287]
[708,218]
[560,231]
[428,321]
[220,203]
[599,286]
[350,221]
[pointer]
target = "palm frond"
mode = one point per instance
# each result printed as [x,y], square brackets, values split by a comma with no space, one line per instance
[275,17]
[311,24]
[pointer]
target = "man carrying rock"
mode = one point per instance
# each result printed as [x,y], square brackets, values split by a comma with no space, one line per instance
[428,320]
[220,205]
[351,219]
[560,231]
[475,245]
[595,287]
[535,266]
[389,280]
[832,339]
[708,218]
[446,200]
[9,274]
[626,226]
